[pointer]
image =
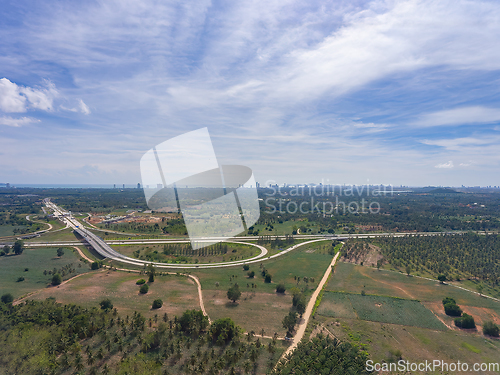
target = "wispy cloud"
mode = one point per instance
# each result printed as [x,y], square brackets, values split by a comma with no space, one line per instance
[446,165]
[460,116]
[17,122]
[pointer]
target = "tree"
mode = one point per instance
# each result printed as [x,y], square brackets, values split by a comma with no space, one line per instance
[491,329]
[6,249]
[193,321]
[18,247]
[106,304]
[222,331]
[60,252]
[452,309]
[144,289]
[289,321]
[251,274]
[151,272]
[234,293]
[280,288]
[466,321]
[246,267]
[441,278]
[268,278]
[157,303]
[95,265]
[408,270]
[7,298]
[56,279]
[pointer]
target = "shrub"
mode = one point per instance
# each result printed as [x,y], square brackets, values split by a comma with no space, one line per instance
[441,278]
[144,289]
[106,304]
[280,288]
[268,278]
[19,279]
[26,269]
[233,293]
[246,267]
[157,303]
[447,300]
[56,279]
[452,309]
[491,329]
[7,298]
[140,282]
[60,252]
[251,274]
[95,265]
[466,321]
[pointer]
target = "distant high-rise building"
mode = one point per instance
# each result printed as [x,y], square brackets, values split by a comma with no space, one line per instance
[138,185]
[258,185]
[114,186]
[124,186]
[7,185]
[159,186]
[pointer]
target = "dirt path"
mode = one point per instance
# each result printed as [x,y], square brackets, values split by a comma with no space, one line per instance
[309,309]
[83,255]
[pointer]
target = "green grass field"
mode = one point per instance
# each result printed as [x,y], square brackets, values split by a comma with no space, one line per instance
[36,261]
[8,230]
[352,278]
[379,309]
[308,261]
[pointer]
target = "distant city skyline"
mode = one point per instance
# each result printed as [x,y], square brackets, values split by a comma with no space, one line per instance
[379,92]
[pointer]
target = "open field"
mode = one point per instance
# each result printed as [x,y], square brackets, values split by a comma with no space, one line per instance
[254,311]
[308,261]
[62,235]
[417,334]
[353,279]
[37,261]
[156,253]
[178,293]
[8,230]
[383,341]
[378,309]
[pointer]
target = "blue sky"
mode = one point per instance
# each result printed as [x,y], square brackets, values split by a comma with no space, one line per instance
[392,92]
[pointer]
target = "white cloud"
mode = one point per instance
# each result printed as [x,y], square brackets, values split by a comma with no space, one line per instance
[16,99]
[459,116]
[445,165]
[17,122]
[84,108]
[81,107]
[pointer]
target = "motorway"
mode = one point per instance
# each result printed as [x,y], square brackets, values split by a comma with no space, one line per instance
[105,250]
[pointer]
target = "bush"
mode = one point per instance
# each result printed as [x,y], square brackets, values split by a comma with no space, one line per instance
[56,279]
[95,265]
[19,279]
[144,289]
[452,309]
[280,288]
[447,300]
[140,282]
[246,267]
[268,278]
[60,252]
[26,269]
[7,298]
[441,278]
[157,303]
[491,329]
[106,304]
[251,274]
[466,321]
